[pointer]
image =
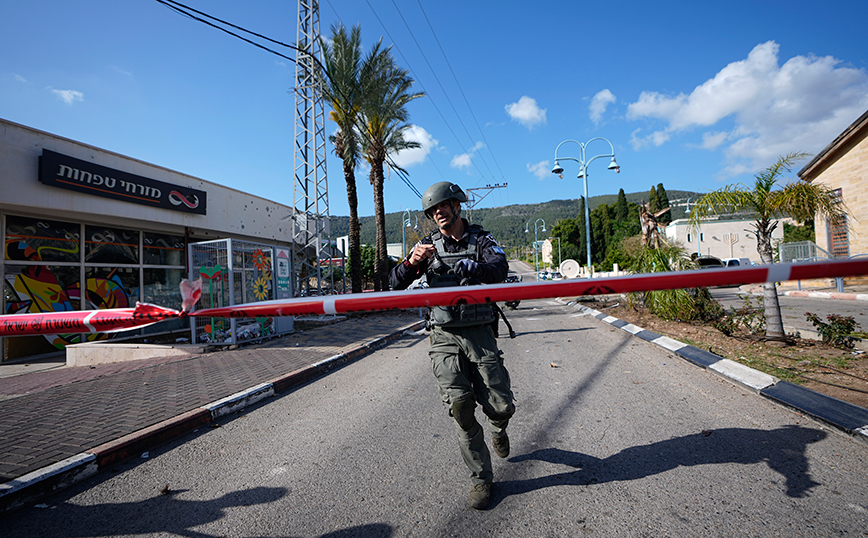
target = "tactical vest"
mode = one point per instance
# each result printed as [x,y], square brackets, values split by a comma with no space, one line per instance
[464,315]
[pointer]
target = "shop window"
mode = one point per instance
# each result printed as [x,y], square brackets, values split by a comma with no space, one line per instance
[30,239]
[163,249]
[111,245]
[162,287]
[111,287]
[37,289]
[34,289]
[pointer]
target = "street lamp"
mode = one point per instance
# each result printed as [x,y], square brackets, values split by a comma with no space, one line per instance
[536,226]
[404,226]
[698,251]
[583,174]
[559,254]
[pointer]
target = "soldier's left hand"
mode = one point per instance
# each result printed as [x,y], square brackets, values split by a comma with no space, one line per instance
[466,268]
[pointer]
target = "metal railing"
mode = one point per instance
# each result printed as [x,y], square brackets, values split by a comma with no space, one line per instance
[801,251]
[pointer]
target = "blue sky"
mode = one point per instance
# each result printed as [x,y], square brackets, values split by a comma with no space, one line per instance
[694,95]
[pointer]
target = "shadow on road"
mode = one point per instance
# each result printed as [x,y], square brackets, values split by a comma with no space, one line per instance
[783,450]
[162,513]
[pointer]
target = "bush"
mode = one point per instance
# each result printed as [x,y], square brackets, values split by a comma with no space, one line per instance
[693,304]
[839,332]
[750,316]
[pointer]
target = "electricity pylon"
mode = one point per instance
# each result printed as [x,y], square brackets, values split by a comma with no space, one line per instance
[310,187]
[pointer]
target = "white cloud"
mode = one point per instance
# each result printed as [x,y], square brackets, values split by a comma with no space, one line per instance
[713,140]
[68,96]
[466,159]
[541,170]
[526,112]
[773,109]
[599,103]
[461,161]
[409,157]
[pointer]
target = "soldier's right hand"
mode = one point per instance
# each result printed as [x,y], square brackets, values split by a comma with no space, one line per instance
[420,253]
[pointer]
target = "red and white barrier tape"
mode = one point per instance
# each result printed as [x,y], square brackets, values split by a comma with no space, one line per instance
[143,314]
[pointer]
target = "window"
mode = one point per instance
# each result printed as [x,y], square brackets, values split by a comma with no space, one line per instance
[48,268]
[163,249]
[111,245]
[839,239]
[42,240]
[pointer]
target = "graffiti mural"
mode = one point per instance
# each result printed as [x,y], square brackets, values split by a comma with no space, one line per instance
[38,287]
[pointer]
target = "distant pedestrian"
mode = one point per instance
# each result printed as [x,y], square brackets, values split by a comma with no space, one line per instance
[464,355]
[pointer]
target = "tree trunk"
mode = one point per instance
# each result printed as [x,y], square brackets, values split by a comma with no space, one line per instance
[381,266]
[774,320]
[355,253]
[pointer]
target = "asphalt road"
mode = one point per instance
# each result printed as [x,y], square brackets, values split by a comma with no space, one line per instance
[613,437]
[793,309]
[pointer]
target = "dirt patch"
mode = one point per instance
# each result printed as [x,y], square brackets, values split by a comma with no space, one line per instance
[842,374]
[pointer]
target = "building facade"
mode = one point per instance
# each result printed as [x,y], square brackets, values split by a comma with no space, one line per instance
[84,228]
[842,166]
[720,238]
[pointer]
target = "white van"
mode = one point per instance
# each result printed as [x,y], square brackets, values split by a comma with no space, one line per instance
[736,262]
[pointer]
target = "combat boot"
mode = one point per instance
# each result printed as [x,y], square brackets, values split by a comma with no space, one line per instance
[500,444]
[480,494]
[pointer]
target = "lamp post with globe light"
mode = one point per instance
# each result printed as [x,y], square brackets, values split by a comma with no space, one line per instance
[536,226]
[583,174]
[698,236]
[404,225]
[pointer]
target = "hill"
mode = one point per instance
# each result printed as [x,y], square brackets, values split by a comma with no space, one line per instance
[507,223]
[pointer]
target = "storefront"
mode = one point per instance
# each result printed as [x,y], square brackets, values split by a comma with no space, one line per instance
[84,229]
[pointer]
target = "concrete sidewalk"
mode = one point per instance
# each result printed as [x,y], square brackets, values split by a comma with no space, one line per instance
[59,425]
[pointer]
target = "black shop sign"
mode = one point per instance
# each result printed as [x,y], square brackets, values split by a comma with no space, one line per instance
[82,176]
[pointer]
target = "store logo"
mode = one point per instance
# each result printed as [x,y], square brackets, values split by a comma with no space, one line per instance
[176,198]
[86,177]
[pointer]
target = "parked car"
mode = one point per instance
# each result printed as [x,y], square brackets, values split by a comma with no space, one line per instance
[736,262]
[709,262]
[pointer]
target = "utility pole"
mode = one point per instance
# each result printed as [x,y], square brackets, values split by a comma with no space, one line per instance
[473,200]
[310,188]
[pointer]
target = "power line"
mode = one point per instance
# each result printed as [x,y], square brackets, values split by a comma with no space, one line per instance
[436,78]
[445,121]
[460,89]
[180,8]
[177,7]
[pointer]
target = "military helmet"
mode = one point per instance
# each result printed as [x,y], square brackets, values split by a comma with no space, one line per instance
[440,192]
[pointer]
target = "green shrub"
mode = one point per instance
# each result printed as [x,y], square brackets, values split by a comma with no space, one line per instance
[839,332]
[691,304]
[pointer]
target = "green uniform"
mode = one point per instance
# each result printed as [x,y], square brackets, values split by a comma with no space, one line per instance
[469,368]
[465,359]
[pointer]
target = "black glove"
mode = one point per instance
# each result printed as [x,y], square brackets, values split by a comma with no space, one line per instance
[466,268]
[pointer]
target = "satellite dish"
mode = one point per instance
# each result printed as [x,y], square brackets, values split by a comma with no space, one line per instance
[570,268]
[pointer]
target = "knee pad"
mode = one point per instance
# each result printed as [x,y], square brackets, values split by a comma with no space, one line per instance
[462,412]
[506,415]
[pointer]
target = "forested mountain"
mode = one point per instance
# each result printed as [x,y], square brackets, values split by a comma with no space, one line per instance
[507,223]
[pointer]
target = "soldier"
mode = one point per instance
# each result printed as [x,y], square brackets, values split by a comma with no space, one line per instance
[467,364]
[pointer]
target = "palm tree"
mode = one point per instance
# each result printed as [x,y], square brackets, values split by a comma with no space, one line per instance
[800,199]
[384,115]
[342,88]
